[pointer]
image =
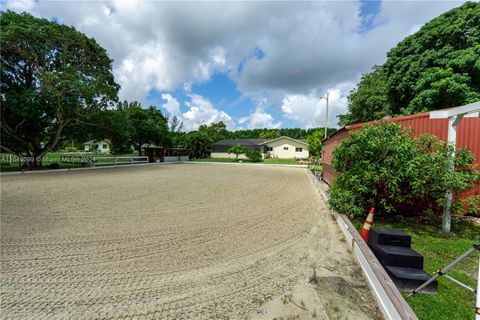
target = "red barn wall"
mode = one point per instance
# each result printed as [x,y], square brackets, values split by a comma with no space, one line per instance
[468,136]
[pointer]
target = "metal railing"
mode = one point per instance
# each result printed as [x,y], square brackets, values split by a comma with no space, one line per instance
[86,160]
[101,161]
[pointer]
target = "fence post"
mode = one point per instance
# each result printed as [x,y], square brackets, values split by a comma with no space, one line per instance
[115,161]
[131,160]
[477,307]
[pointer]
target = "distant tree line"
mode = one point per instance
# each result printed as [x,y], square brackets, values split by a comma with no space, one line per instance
[129,124]
[436,67]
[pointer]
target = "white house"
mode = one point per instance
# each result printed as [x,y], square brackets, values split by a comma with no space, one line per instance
[98,146]
[283,147]
[286,148]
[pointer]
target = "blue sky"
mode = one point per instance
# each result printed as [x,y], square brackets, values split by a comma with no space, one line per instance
[249,64]
[222,91]
[368,12]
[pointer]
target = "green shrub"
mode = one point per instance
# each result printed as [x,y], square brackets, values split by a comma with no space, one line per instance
[54,165]
[254,156]
[316,168]
[382,166]
[70,149]
[468,206]
[237,150]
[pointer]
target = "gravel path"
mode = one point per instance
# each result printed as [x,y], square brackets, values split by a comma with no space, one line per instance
[191,241]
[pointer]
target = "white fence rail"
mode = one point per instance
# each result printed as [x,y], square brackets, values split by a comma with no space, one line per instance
[87,160]
[118,160]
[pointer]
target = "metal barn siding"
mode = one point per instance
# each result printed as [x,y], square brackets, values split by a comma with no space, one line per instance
[468,130]
[468,136]
[328,173]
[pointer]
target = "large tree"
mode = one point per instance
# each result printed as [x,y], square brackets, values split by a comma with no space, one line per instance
[198,143]
[147,126]
[115,124]
[269,134]
[215,131]
[369,100]
[53,78]
[436,67]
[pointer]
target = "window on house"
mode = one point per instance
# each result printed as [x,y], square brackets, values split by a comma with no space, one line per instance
[285,148]
[298,149]
[105,146]
[269,148]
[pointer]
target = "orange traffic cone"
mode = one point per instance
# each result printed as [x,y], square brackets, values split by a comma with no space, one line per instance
[367,225]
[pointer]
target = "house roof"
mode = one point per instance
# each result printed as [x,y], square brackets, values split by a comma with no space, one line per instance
[253,142]
[302,141]
[97,140]
[243,142]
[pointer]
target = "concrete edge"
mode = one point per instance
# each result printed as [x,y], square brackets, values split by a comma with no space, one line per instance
[391,302]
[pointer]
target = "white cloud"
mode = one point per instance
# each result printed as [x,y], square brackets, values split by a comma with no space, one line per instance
[19,5]
[259,119]
[172,105]
[304,109]
[200,111]
[187,87]
[309,109]
[145,68]
[308,46]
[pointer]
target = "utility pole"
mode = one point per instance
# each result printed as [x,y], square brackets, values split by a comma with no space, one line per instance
[326,115]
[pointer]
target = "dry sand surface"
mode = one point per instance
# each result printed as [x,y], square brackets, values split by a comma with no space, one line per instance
[190,241]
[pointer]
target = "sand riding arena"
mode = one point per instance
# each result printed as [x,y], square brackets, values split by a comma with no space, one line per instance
[186,241]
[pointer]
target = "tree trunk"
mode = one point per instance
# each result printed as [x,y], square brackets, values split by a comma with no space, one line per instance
[35,164]
[39,153]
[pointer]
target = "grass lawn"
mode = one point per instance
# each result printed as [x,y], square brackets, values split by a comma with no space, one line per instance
[53,157]
[452,301]
[265,161]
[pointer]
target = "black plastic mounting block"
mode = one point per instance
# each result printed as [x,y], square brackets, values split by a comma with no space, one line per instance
[398,256]
[407,279]
[389,237]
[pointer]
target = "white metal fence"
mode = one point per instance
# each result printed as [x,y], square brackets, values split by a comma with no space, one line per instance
[86,160]
[102,161]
